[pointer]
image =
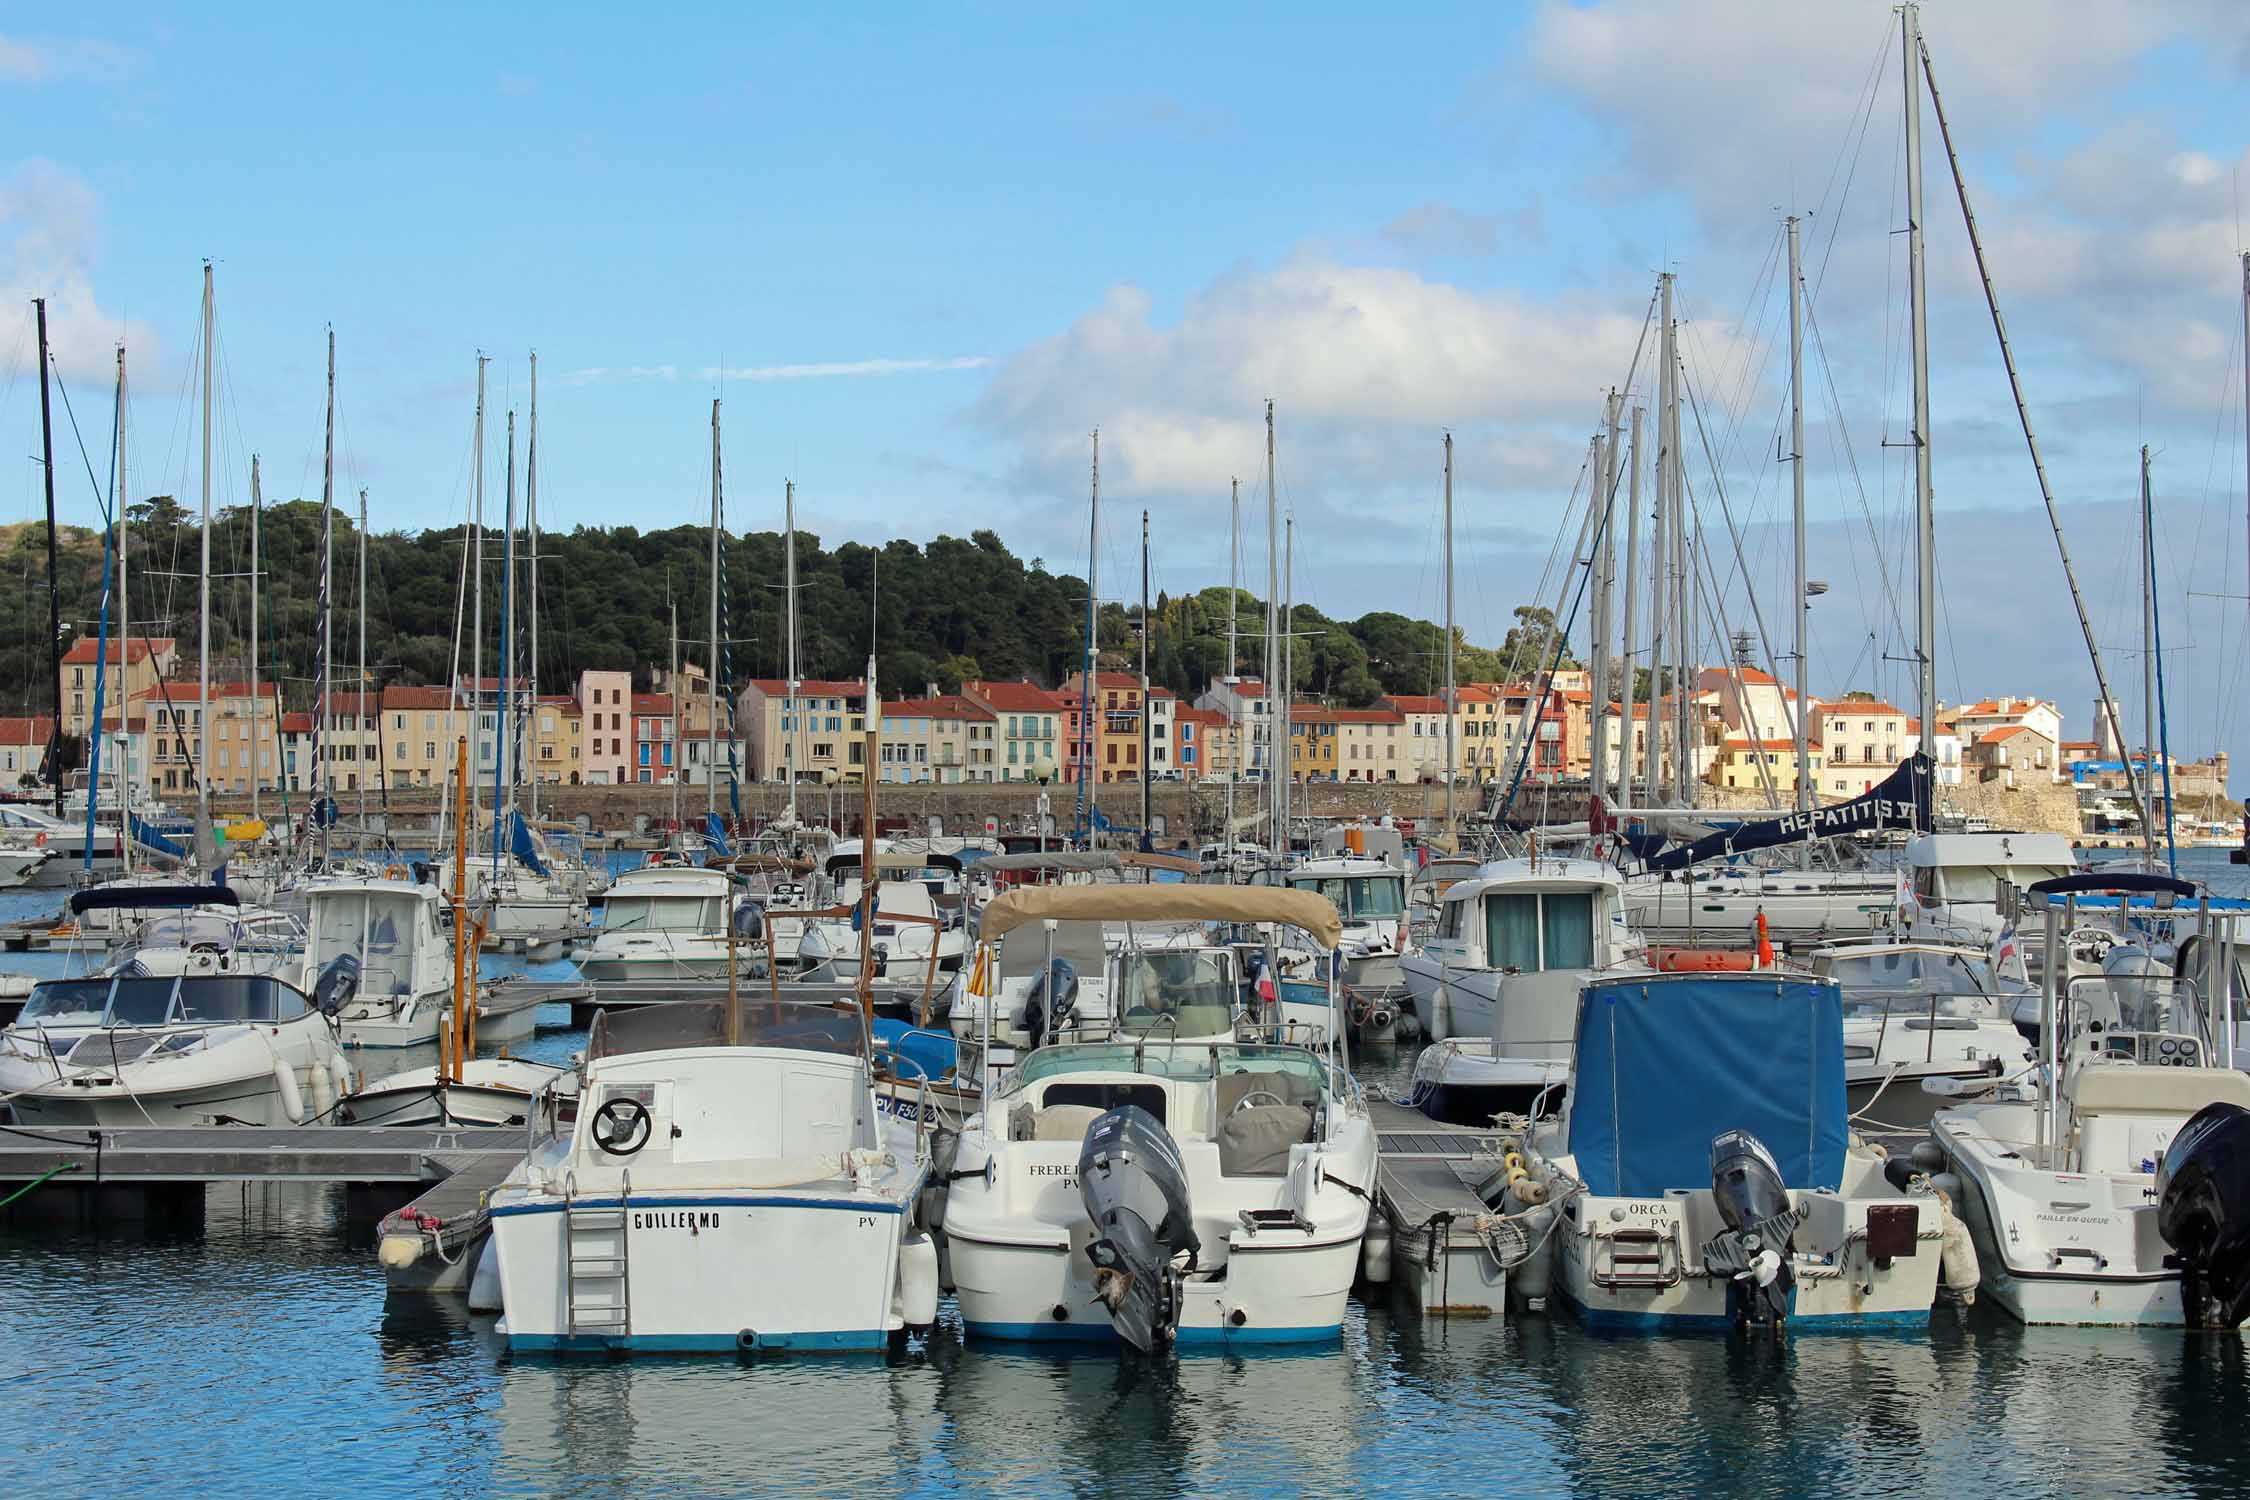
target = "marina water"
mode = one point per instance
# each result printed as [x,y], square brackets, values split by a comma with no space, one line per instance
[264,1354]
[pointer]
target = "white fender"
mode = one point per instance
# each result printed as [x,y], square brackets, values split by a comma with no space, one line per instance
[323,1091]
[917,1281]
[292,1098]
[485,1291]
[339,1075]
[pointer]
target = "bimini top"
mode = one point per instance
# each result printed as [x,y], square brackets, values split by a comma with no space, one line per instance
[1085,861]
[1666,1062]
[1180,864]
[1316,915]
[151,897]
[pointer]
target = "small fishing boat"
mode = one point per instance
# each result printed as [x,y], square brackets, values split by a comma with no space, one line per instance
[1158,1191]
[120,1050]
[663,922]
[1915,1011]
[1371,894]
[724,1183]
[392,931]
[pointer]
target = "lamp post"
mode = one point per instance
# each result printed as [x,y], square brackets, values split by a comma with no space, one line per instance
[828,781]
[1043,772]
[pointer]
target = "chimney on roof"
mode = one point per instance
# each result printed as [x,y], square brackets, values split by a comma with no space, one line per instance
[929,689]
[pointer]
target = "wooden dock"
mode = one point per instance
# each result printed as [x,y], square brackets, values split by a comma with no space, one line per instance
[1427,1176]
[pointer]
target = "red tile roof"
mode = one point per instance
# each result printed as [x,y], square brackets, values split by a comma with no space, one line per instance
[1412,703]
[83,650]
[1845,708]
[296,723]
[652,703]
[402,697]
[35,730]
[944,706]
[1208,717]
[1014,697]
[185,692]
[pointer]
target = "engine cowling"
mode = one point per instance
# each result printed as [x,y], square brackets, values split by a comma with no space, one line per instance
[1134,1189]
[2203,1213]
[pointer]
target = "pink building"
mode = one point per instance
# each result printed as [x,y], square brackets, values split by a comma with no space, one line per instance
[605,709]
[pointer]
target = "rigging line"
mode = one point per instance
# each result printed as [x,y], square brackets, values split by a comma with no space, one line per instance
[1867,115]
[83,456]
[1715,613]
[1727,510]
[1851,459]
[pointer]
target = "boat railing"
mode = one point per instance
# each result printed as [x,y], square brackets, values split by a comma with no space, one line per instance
[1913,1002]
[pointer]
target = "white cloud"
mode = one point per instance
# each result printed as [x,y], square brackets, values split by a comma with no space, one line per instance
[44,60]
[843,368]
[49,220]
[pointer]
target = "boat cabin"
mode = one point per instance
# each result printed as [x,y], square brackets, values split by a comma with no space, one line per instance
[1525,916]
[392,928]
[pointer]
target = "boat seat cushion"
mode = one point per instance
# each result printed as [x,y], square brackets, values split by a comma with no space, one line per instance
[2114,1088]
[1244,1083]
[1057,1122]
[1254,1141]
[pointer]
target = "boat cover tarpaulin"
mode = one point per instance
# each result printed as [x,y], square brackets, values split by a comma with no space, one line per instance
[146,835]
[1900,800]
[1667,1062]
[523,846]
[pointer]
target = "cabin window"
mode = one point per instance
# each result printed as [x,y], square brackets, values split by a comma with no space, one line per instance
[1566,929]
[1449,923]
[1511,932]
[1529,933]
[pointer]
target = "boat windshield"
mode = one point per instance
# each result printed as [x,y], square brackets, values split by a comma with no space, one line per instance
[239,997]
[1359,895]
[703,1023]
[1184,992]
[1958,982]
[1982,882]
[187,930]
[66,1002]
[662,914]
[377,927]
[1158,1060]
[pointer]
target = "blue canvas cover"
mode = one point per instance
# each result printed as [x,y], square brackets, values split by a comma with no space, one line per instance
[927,1054]
[1666,1062]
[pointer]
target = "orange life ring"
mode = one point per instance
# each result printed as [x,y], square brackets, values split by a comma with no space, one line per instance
[1700,960]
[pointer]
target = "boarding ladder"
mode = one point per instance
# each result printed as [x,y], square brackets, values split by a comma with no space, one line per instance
[597,1266]
[1636,1257]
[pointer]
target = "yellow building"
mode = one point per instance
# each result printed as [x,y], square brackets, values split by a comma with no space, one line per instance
[1738,765]
[132,669]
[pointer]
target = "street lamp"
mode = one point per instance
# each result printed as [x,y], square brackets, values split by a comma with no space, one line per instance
[1043,772]
[828,780]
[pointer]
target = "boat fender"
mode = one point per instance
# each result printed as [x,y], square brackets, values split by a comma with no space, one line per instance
[1375,1251]
[1957,1255]
[339,1077]
[917,1281]
[292,1098]
[399,1251]
[323,1091]
[485,1291]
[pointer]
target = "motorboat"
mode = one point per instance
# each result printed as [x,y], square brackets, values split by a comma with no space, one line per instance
[665,922]
[489,1091]
[1370,892]
[1723,904]
[721,1183]
[393,931]
[65,841]
[1952,881]
[2058,1181]
[22,858]
[1162,1192]
[1702,1172]
[1496,985]
[126,1049]
[920,937]
[1922,1010]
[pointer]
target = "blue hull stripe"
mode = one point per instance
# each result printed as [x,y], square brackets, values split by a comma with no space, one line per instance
[845,1205]
[1102,1333]
[1641,1322]
[844,1341]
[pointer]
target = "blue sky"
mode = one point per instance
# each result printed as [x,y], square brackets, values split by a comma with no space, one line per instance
[931,249]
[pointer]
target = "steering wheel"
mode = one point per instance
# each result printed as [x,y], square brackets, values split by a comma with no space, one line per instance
[1253,1097]
[621,1126]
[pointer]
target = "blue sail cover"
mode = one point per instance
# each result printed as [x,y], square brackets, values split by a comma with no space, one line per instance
[714,836]
[523,846]
[145,835]
[1900,800]
[1666,1062]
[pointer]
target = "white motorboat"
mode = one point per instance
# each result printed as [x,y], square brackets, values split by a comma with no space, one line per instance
[65,841]
[1159,1191]
[1916,1011]
[491,1091]
[21,861]
[1517,919]
[2059,1184]
[1371,894]
[120,1050]
[920,936]
[717,1188]
[663,922]
[1723,904]
[393,930]
[1954,880]
[214,939]
[1702,1172]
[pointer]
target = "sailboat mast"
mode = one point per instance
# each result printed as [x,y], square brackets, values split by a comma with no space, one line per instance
[1288,670]
[324,728]
[361,698]
[1925,546]
[1277,766]
[257,510]
[54,578]
[1627,686]
[1449,683]
[1093,620]
[1604,586]
[672,732]
[202,594]
[1661,580]
[1802,604]
[711,730]
[125,635]
[1233,676]
[789,587]
[531,595]
[1148,707]
[1683,584]
[2149,735]
[476,588]
[503,753]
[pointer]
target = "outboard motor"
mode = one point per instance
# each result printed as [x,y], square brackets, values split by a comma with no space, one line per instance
[1135,1193]
[750,923]
[338,982]
[2203,1212]
[1754,1248]
[1050,1001]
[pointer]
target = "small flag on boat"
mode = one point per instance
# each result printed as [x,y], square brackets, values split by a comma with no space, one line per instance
[2003,947]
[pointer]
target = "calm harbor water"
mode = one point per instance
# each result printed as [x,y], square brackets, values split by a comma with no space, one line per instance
[264,1353]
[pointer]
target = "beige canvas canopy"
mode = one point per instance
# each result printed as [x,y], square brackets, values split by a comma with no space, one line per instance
[1166,903]
[1185,864]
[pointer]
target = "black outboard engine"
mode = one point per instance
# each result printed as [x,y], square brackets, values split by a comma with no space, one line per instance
[750,923]
[2203,1212]
[1754,1249]
[1135,1192]
[1050,1001]
[338,982]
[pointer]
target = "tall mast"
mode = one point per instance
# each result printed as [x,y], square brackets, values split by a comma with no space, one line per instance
[1604,583]
[362,695]
[257,510]
[503,751]
[54,577]
[1288,670]
[795,709]
[1661,577]
[1277,763]
[1233,676]
[1086,671]
[324,730]
[531,597]
[2150,738]
[672,733]
[1628,686]
[202,595]
[1148,707]
[1683,585]
[1449,684]
[1802,605]
[124,627]
[476,588]
[711,684]
[2245,389]
[1925,544]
